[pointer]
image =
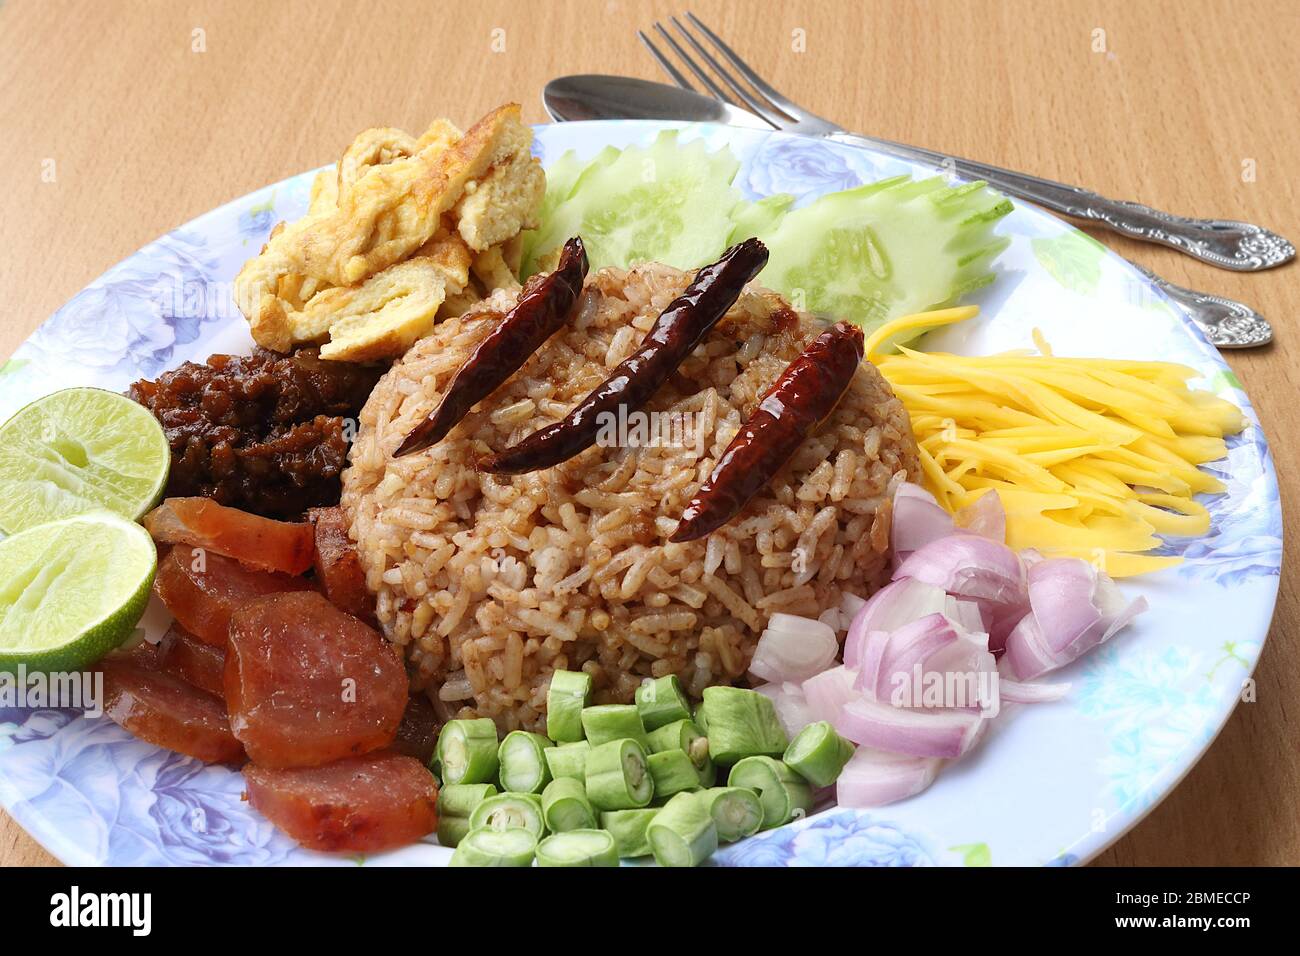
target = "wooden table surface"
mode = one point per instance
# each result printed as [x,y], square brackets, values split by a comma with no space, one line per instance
[150,113]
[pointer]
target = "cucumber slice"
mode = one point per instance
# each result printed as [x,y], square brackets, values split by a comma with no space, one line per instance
[886,249]
[669,202]
[756,218]
[561,179]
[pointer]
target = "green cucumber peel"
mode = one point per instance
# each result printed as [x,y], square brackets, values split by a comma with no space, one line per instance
[668,202]
[886,249]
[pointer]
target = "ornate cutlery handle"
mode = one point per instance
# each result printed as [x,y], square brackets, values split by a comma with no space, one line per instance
[1240,246]
[1227,324]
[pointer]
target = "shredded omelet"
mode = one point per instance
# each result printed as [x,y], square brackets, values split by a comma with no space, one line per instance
[402,228]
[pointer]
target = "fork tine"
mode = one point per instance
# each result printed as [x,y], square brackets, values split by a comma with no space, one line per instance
[762,108]
[694,67]
[665,63]
[754,80]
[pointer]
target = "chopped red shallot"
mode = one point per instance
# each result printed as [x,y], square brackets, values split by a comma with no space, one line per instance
[791,706]
[905,730]
[793,649]
[984,516]
[873,778]
[958,596]
[917,520]
[1020,692]
[894,605]
[969,566]
[1073,608]
[829,691]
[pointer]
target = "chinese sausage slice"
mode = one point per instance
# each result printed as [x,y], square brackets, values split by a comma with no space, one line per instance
[360,805]
[256,542]
[307,684]
[164,710]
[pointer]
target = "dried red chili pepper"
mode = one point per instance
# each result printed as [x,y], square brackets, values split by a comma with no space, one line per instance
[800,400]
[543,307]
[675,334]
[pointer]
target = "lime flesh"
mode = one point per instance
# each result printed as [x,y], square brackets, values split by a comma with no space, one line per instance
[78,451]
[71,591]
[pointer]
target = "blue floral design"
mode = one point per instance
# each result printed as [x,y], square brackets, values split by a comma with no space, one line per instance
[257,220]
[844,838]
[115,798]
[132,318]
[1154,706]
[805,168]
[24,724]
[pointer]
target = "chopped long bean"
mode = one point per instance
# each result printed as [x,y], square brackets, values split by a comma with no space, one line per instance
[673,772]
[568,760]
[606,722]
[489,847]
[736,812]
[617,777]
[741,723]
[685,735]
[456,803]
[523,762]
[467,751]
[565,806]
[578,848]
[679,735]
[818,754]
[569,693]
[683,832]
[628,829]
[782,793]
[701,718]
[661,701]
[508,811]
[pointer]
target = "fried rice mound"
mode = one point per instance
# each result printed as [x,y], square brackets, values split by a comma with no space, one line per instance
[489,583]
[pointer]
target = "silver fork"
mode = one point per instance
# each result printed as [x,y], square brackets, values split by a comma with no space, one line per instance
[1226,243]
[1233,245]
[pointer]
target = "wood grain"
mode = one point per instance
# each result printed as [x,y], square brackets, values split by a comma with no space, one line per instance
[146,133]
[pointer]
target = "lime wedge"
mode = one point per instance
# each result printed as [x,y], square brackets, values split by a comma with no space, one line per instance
[77,451]
[71,591]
